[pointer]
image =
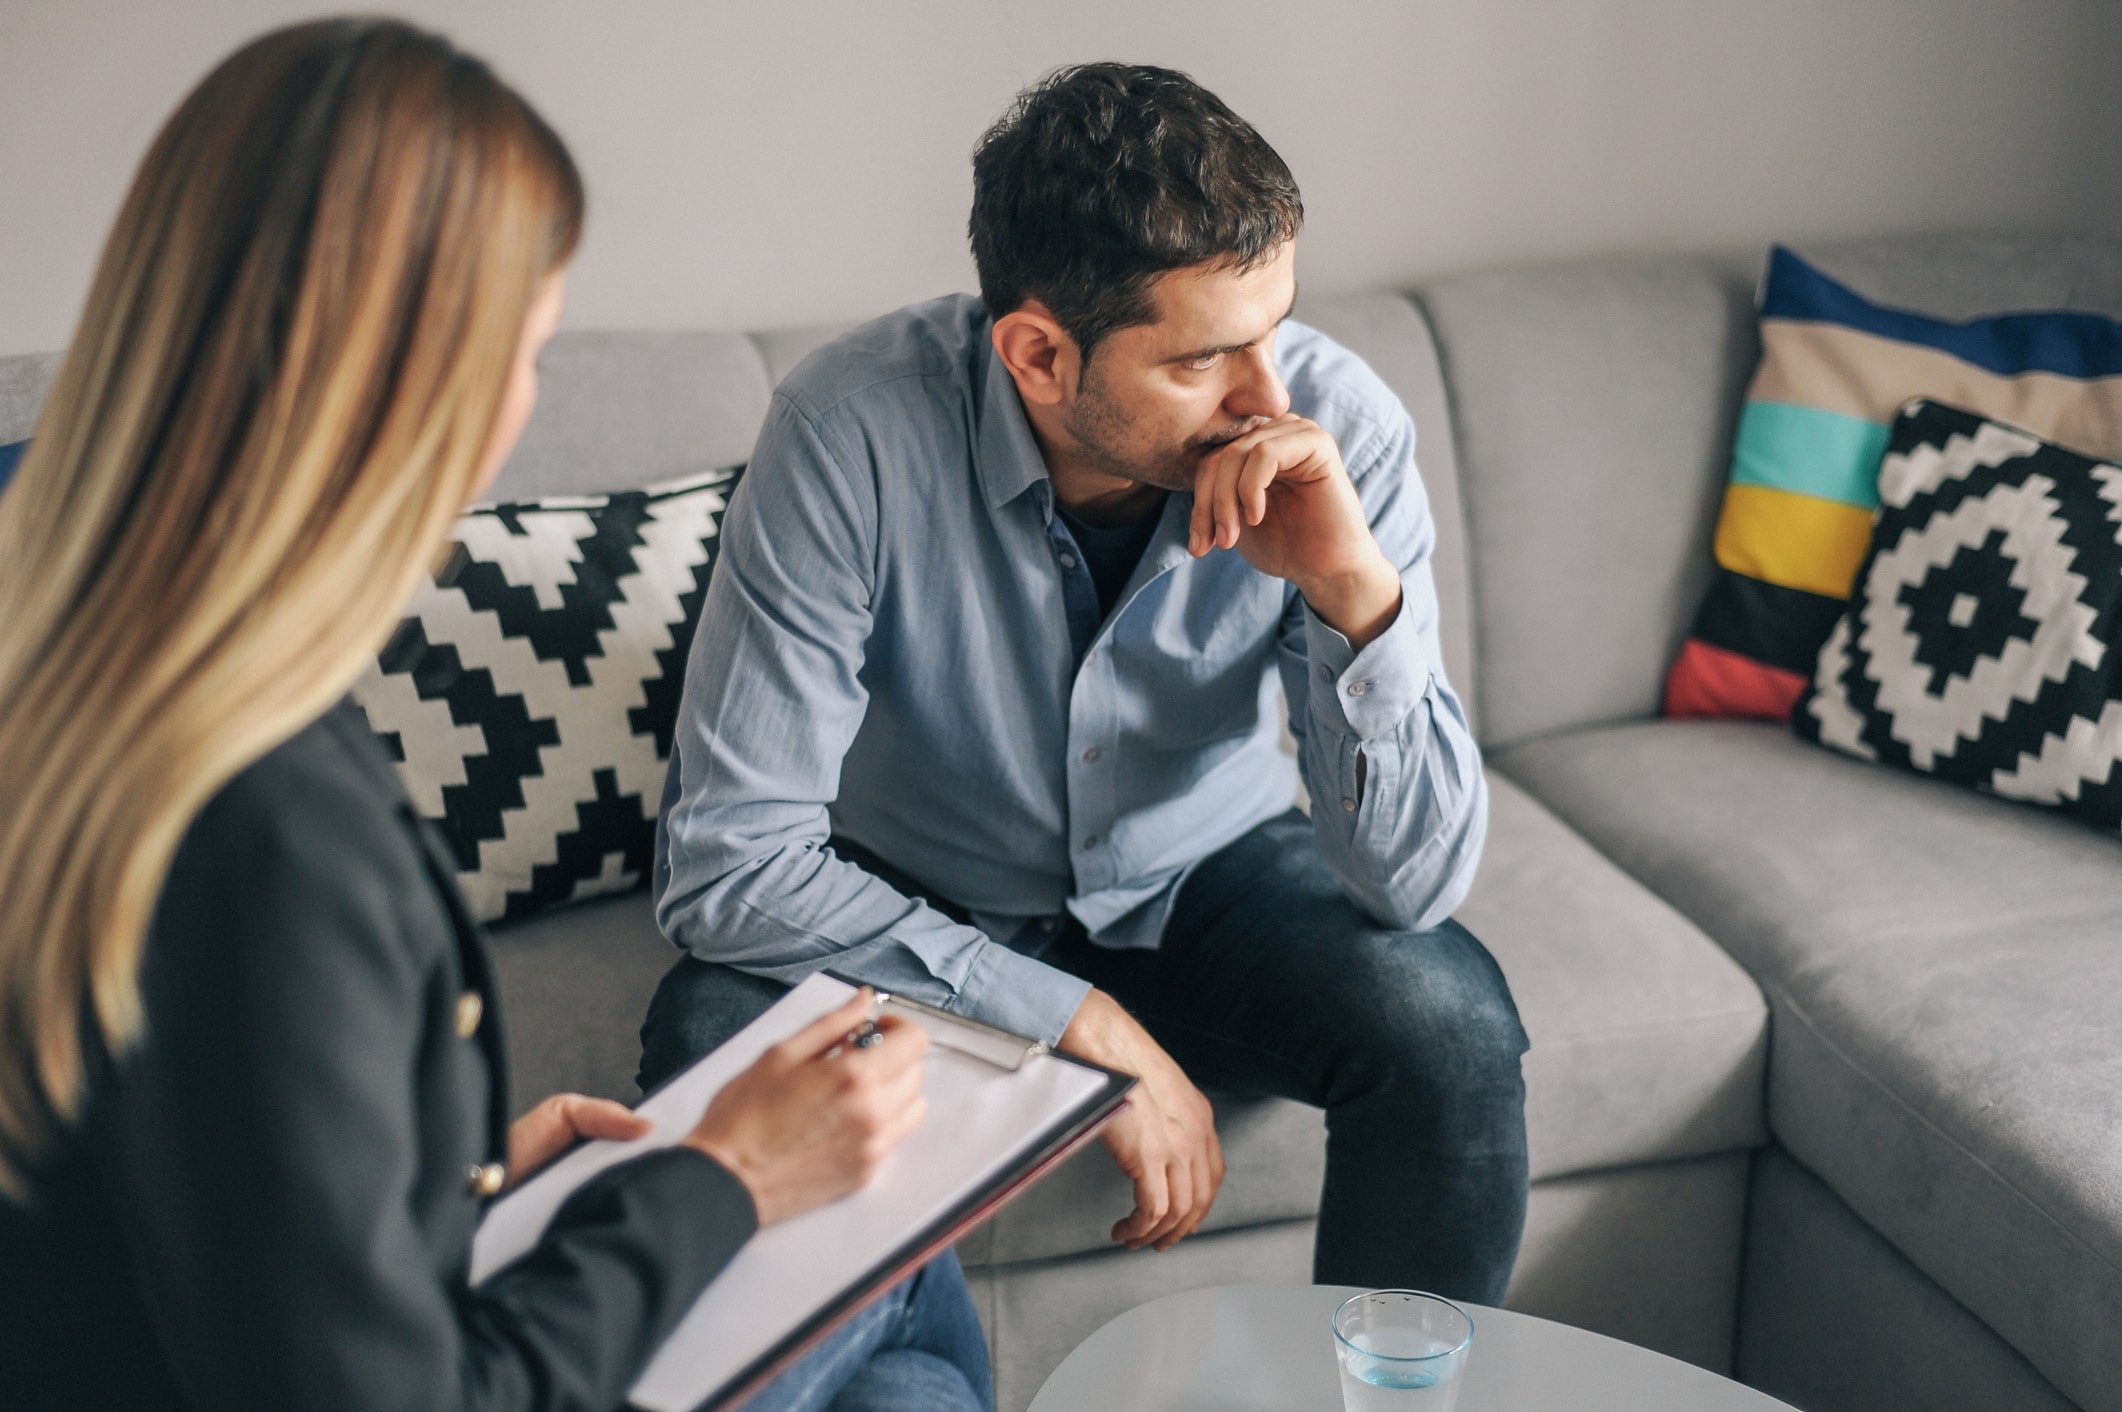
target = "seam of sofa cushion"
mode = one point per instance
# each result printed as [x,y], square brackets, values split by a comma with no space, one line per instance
[1780,995]
[1758,1011]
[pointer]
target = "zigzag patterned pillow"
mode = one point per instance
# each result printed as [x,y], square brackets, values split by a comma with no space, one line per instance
[1983,638]
[532,690]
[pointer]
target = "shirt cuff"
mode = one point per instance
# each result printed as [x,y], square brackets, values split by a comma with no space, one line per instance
[1366,694]
[1013,992]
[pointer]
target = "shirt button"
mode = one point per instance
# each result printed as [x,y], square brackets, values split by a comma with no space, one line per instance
[1359,688]
[470,1010]
[1068,561]
[1090,841]
[486,1179]
[1090,756]
[1349,805]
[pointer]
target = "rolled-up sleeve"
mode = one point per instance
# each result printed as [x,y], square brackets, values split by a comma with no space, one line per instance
[773,700]
[1399,801]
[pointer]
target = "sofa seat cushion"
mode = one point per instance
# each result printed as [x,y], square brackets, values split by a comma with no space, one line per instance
[575,985]
[1945,974]
[1648,1042]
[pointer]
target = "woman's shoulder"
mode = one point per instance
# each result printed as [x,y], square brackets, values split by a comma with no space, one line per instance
[314,832]
[332,777]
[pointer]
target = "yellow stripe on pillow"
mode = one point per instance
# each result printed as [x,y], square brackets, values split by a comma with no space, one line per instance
[1792,541]
[1860,374]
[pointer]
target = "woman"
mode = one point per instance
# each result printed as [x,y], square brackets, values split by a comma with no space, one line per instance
[250,1075]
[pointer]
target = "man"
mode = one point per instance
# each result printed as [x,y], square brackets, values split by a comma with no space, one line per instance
[983,704]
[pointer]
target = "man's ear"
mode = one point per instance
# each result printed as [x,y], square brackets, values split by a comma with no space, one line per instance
[1039,354]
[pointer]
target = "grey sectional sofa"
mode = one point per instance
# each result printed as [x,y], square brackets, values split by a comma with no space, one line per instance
[1826,1078]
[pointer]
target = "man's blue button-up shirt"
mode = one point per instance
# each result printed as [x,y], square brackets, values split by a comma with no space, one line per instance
[901,643]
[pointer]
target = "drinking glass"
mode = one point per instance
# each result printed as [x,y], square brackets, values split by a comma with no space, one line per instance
[1401,1351]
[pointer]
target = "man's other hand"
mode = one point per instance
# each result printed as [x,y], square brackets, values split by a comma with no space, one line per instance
[1164,1140]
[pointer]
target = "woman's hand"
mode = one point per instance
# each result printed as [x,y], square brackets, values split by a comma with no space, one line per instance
[807,1125]
[559,1122]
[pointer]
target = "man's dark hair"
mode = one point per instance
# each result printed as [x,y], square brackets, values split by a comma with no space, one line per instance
[1101,177]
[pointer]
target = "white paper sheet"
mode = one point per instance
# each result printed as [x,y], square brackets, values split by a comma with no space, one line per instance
[980,1120]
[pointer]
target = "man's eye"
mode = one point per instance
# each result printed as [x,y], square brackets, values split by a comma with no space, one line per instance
[1205,362]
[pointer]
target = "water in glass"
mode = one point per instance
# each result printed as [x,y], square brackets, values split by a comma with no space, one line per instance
[1400,1351]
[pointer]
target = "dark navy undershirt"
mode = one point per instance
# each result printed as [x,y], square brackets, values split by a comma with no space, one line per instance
[1111,554]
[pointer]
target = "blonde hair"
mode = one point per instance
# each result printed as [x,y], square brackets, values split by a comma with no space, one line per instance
[291,359]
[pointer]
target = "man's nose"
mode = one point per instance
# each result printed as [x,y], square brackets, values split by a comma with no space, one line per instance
[1259,391]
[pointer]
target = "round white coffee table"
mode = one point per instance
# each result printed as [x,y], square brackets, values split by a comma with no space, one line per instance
[1267,1348]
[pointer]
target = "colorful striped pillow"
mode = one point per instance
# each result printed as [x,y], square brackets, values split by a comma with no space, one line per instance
[1797,517]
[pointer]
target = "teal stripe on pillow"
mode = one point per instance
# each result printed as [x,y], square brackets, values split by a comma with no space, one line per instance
[1810,452]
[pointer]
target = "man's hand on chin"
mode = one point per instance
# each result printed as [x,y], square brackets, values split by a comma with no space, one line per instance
[1164,1140]
[1280,496]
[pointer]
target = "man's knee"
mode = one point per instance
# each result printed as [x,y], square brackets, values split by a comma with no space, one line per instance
[1443,1009]
[1480,1013]
[697,1007]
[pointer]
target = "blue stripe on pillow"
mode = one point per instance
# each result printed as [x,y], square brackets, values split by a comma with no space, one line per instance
[2074,345]
[10,457]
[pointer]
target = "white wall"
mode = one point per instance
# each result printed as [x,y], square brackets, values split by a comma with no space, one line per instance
[780,161]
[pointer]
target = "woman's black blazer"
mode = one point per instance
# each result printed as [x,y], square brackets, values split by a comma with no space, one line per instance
[270,1201]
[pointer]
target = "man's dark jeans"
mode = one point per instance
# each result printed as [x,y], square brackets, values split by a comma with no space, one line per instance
[1271,982]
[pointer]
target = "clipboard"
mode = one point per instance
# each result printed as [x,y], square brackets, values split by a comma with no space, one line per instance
[1003,1111]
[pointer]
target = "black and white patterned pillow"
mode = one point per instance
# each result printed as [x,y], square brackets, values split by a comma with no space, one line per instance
[531,692]
[1983,641]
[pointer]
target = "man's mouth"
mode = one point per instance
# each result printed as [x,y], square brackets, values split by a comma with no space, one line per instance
[1216,443]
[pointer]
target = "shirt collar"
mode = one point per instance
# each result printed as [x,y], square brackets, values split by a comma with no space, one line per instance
[1007,454]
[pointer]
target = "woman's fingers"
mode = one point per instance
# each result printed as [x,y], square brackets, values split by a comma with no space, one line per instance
[827,1030]
[602,1118]
[901,1120]
[905,1042]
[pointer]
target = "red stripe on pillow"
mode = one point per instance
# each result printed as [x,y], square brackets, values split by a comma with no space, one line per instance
[1710,681]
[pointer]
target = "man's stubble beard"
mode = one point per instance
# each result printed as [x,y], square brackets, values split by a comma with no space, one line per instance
[1099,428]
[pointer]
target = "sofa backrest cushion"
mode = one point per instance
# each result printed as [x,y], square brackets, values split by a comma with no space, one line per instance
[1593,405]
[24,379]
[1966,277]
[619,410]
